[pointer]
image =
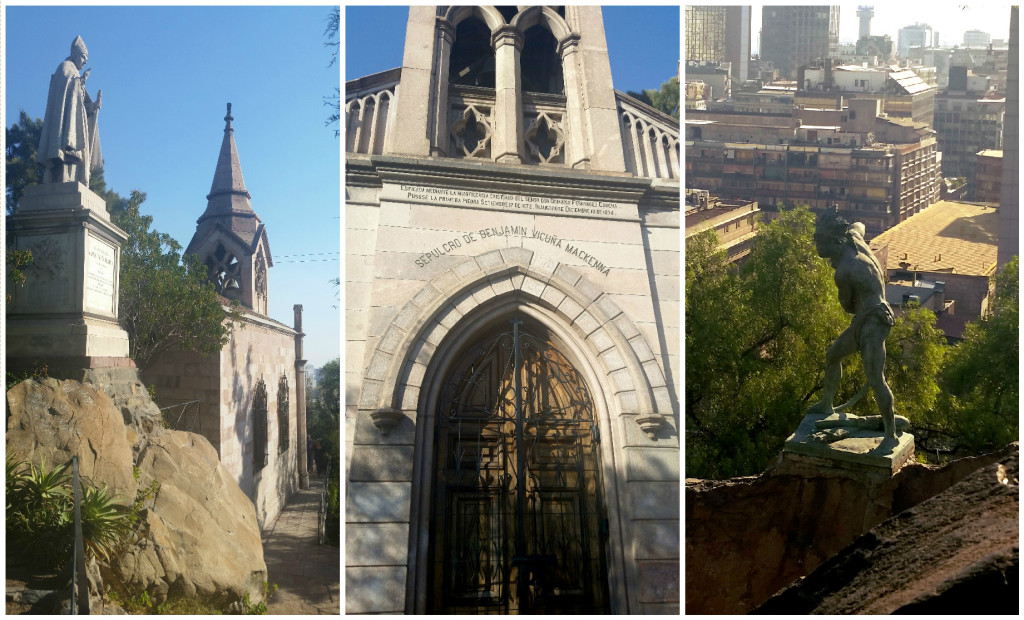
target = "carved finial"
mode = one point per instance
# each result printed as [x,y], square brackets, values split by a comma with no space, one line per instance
[228,118]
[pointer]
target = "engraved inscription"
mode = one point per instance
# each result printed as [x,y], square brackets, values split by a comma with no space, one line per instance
[99,289]
[516,202]
[458,242]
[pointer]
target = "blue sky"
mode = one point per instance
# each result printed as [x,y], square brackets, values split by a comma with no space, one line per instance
[166,74]
[643,42]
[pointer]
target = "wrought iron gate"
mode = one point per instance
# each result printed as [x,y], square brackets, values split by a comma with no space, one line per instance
[517,520]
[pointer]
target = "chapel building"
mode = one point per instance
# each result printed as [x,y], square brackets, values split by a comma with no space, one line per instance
[513,324]
[248,399]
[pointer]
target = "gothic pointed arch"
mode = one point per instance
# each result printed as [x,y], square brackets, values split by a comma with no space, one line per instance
[623,357]
[454,15]
[542,15]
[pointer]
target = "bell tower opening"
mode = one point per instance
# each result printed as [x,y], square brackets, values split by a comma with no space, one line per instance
[541,66]
[517,514]
[472,58]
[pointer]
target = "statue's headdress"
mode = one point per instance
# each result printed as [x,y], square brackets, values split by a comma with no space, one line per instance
[78,47]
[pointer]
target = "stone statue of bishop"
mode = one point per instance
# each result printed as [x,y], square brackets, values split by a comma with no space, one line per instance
[69,145]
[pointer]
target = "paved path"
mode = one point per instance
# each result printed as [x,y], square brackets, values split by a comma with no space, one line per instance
[308,575]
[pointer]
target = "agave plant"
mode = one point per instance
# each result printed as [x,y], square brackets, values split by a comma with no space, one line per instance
[45,487]
[15,477]
[105,523]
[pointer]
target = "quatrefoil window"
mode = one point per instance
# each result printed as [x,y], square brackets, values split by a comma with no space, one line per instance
[545,139]
[471,133]
[224,271]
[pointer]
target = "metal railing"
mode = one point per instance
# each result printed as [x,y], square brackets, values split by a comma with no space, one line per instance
[321,516]
[79,579]
[186,418]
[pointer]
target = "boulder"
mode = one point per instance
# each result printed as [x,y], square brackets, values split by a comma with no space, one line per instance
[55,420]
[200,537]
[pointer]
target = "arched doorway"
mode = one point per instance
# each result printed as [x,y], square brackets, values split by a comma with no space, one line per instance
[517,519]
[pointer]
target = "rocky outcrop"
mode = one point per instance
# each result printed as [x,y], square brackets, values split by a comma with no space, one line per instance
[198,536]
[201,536]
[54,420]
[956,553]
[747,538]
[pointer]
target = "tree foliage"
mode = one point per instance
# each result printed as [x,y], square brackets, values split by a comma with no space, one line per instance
[979,404]
[323,407]
[755,348]
[22,142]
[333,101]
[166,300]
[665,99]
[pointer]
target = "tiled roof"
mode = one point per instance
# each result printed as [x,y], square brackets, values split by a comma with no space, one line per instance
[957,237]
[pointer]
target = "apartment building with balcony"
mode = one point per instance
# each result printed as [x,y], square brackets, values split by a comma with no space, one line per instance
[875,169]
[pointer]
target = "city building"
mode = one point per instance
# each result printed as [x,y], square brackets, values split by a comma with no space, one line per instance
[248,399]
[976,38]
[513,324]
[988,178]
[875,169]
[902,92]
[717,78]
[719,34]
[1009,205]
[919,35]
[734,221]
[952,242]
[793,36]
[968,119]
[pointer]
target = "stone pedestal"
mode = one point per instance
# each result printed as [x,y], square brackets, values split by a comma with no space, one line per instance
[853,447]
[67,307]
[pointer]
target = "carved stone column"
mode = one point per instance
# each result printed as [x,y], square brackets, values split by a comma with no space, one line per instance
[439,119]
[578,151]
[508,142]
[300,399]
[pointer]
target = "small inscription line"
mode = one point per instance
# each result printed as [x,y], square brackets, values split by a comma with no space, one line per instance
[499,200]
[465,239]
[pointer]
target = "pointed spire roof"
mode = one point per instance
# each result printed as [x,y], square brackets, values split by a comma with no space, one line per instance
[228,195]
[228,205]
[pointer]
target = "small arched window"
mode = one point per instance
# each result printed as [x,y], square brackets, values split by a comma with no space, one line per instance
[259,426]
[282,414]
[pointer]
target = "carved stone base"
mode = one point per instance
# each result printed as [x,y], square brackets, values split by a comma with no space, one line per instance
[67,306]
[850,444]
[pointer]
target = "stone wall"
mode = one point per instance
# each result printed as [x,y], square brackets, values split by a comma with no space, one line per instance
[178,377]
[258,349]
[224,384]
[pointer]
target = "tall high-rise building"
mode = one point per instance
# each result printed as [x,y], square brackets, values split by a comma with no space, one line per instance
[865,13]
[792,36]
[719,34]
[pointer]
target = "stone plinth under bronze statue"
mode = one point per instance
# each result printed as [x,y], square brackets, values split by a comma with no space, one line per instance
[827,431]
[66,312]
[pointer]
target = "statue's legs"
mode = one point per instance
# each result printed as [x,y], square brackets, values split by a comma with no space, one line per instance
[873,337]
[844,346]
